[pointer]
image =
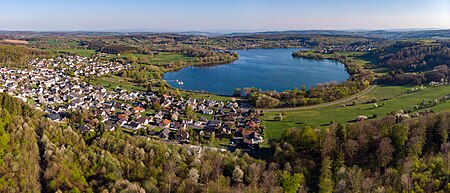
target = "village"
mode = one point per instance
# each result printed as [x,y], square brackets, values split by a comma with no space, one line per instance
[56,87]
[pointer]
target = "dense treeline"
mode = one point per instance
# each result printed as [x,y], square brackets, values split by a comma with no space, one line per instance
[19,56]
[413,56]
[387,155]
[305,54]
[414,62]
[392,154]
[19,153]
[359,80]
[37,155]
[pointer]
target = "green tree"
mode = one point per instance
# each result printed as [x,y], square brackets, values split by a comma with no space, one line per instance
[162,90]
[157,106]
[190,112]
[399,135]
[384,152]
[237,92]
[149,87]
[292,183]
[309,137]
[176,92]
[326,181]
[238,175]
[212,137]
[133,59]
[303,88]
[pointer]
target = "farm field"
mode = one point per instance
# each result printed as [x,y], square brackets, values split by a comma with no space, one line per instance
[338,114]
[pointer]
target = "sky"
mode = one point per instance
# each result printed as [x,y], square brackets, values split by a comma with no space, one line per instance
[222,15]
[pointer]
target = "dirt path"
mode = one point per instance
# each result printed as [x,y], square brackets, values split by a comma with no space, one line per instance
[365,91]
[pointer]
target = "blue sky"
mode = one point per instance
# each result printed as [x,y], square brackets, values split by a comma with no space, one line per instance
[225,15]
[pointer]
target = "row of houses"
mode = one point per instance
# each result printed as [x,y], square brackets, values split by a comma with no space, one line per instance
[49,87]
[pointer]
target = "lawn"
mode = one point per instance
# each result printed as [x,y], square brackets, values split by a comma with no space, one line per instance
[196,95]
[112,82]
[161,58]
[339,114]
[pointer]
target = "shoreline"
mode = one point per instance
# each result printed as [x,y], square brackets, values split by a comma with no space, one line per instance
[225,63]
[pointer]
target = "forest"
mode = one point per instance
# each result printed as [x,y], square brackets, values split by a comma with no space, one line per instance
[58,158]
[392,154]
[19,56]
[413,62]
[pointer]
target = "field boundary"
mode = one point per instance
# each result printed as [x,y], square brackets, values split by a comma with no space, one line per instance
[359,94]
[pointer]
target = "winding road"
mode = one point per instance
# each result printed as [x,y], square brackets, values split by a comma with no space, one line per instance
[365,91]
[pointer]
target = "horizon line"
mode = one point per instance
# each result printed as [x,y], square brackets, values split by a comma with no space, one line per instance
[225,31]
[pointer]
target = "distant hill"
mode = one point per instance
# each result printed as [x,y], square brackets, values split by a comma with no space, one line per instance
[443,34]
[18,56]
[386,34]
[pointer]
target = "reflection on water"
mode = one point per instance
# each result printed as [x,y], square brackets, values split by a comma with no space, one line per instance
[268,69]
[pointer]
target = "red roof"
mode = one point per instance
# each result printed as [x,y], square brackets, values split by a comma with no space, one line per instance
[138,109]
[121,116]
[247,132]
[166,122]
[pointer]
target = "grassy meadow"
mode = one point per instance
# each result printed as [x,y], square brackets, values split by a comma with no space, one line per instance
[339,114]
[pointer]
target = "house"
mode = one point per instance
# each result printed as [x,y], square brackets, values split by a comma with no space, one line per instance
[122,116]
[166,104]
[55,117]
[84,129]
[256,121]
[179,126]
[208,111]
[189,122]
[238,135]
[254,138]
[143,120]
[122,122]
[175,116]
[159,115]
[110,127]
[152,133]
[118,105]
[238,138]
[214,124]
[164,134]
[100,112]
[165,123]
[138,109]
[132,126]
[182,136]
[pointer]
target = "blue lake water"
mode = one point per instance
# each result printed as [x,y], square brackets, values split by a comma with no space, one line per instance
[268,69]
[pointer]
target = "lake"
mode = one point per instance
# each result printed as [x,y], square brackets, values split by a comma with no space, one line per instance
[268,69]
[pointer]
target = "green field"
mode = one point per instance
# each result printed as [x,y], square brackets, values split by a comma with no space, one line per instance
[195,95]
[359,58]
[161,58]
[339,114]
[112,82]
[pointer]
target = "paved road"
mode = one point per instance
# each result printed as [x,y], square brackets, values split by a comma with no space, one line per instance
[365,91]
